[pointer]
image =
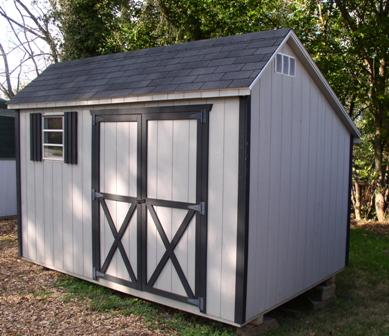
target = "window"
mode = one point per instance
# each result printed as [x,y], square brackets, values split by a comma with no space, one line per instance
[53,137]
[285,65]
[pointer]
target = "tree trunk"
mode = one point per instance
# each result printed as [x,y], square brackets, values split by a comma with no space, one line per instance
[356,201]
[379,196]
[380,205]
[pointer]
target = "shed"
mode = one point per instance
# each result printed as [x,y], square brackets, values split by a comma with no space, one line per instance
[7,162]
[211,176]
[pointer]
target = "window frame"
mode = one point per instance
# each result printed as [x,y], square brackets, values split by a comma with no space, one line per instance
[48,130]
[282,64]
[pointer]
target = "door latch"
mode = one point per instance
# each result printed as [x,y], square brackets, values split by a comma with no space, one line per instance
[200,208]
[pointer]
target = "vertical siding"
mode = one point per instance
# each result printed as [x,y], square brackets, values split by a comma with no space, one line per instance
[7,188]
[118,176]
[60,225]
[222,208]
[298,189]
[56,213]
[172,175]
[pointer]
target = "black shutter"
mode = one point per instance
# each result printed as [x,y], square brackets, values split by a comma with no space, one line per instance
[7,137]
[36,137]
[70,139]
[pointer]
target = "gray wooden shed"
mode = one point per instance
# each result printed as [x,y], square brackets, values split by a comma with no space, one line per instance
[211,176]
[7,162]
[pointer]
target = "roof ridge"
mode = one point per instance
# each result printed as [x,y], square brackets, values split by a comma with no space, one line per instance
[170,46]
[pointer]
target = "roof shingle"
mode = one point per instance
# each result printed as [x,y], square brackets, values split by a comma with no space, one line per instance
[226,62]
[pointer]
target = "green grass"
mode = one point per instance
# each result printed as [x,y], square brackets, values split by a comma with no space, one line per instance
[156,317]
[361,307]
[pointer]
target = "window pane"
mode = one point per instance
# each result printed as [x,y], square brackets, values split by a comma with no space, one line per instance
[286,65]
[52,152]
[53,138]
[53,122]
[279,63]
[292,66]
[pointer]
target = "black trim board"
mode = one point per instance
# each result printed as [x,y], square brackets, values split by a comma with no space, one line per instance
[36,136]
[157,110]
[142,115]
[70,137]
[243,209]
[18,183]
[350,179]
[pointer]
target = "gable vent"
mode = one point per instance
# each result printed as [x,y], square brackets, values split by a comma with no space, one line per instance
[285,65]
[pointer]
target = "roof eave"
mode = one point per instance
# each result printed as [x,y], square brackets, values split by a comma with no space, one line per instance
[200,94]
[314,71]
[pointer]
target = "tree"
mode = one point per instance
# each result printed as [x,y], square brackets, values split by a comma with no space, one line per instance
[366,25]
[35,43]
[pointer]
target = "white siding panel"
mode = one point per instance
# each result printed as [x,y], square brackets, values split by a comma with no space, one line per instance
[222,208]
[58,252]
[298,189]
[172,175]
[230,199]
[77,199]
[7,188]
[23,182]
[48,213]
[31,205]
[67,224]
[71,227]
[215,210]
[84,159]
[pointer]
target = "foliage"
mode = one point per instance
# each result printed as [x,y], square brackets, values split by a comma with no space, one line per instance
[346,38]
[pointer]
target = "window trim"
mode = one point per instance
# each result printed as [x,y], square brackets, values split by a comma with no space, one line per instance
[48,130]
[282,64]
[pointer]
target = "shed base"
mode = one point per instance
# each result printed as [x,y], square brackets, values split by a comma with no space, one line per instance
[258,327]
[323,294]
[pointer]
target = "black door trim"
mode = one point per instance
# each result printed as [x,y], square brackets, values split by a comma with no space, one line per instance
[197,210]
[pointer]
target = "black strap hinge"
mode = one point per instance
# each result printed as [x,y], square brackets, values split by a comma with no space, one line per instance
[199,302]
[200,208]
[96,195]
[96,274]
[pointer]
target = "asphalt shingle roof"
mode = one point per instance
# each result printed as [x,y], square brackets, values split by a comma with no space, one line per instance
[219,63]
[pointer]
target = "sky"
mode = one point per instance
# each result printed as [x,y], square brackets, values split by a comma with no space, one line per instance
[8,40]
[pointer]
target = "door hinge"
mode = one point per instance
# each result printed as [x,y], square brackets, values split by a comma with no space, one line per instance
[199,302]
[96,274]
[96,195]
[200,208]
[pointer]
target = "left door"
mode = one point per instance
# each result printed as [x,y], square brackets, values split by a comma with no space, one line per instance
[115,194]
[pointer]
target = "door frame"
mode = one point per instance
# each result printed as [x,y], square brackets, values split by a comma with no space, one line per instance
[142,115]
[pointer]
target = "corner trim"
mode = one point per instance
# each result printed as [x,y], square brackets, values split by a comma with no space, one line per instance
[243,209]
[18,184]
[350,179]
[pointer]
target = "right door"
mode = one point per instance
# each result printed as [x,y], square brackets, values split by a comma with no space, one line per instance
[175,151]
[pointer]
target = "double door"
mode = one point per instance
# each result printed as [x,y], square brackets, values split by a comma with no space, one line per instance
[150,200]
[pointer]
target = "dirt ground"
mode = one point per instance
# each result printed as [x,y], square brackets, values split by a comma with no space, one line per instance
[380,228]
[30,303]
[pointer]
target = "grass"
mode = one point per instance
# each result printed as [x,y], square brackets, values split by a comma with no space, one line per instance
[361,307]
[155,316]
